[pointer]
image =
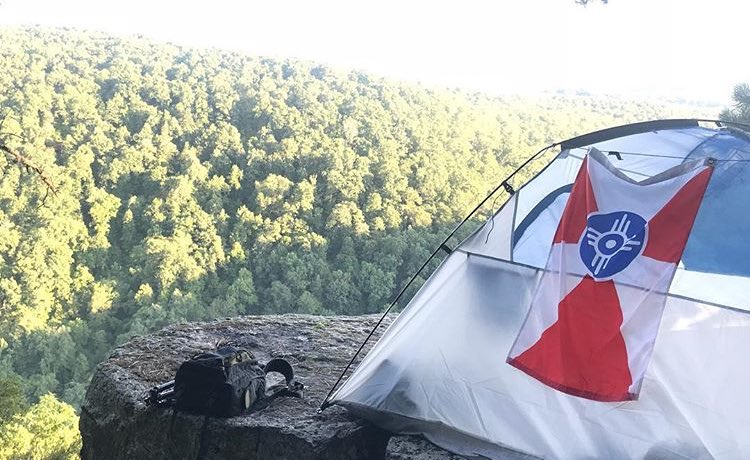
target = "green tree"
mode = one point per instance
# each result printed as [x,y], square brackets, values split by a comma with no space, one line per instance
[47,431]
[12,399]
[740,112]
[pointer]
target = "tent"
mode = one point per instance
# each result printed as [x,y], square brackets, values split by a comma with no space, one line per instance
[440,368]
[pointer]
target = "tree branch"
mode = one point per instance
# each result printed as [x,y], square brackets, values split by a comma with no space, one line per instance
[29,166]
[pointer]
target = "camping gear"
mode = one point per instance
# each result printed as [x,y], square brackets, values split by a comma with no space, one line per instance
[225,383]
[440,368]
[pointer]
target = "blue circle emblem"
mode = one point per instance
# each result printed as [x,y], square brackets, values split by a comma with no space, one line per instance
[611,242]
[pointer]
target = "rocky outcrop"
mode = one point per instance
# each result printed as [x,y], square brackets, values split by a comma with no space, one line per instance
[117,424]
[416,448]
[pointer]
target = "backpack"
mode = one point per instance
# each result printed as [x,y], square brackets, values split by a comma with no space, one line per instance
[225,383]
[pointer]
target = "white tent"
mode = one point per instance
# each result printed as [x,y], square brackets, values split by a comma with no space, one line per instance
[440,368]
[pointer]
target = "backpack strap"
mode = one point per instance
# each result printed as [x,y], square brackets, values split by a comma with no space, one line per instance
[292,388]
[281,366]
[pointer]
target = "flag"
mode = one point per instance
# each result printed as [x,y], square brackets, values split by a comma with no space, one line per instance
[595,314]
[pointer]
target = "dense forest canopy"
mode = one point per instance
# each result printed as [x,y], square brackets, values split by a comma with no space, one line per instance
[195,184]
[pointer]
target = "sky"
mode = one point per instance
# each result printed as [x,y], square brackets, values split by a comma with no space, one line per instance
[691,49]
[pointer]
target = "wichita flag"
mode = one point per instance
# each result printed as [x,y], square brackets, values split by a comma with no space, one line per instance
[596,312]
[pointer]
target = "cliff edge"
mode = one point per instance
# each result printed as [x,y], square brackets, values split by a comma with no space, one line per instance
[115,423]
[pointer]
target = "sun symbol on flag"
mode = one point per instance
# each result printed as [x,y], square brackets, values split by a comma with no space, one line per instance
[611,242]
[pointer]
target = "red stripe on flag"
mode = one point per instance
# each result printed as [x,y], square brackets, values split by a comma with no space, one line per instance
[669,229]
[583,353]
[580,204]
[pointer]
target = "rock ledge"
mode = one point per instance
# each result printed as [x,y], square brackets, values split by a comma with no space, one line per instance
[116,424]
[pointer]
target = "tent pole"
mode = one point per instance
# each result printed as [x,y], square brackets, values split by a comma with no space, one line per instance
[506,186]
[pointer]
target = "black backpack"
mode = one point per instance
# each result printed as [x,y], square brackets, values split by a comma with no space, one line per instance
[225,383]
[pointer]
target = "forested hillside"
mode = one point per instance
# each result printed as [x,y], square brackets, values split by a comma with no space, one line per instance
[196,184]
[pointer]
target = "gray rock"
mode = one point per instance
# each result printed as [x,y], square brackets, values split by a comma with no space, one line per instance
[416,448]
[115,423]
